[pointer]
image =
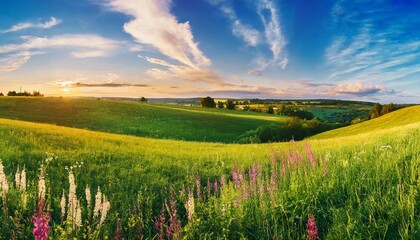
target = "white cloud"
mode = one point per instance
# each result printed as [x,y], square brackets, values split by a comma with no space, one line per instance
[356,88]
[248,34]
[14,62]
[25,25]
[272,31]
[153,24]
[84,45]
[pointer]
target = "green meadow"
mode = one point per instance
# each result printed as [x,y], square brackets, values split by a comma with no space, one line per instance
[134,118]
[357,182]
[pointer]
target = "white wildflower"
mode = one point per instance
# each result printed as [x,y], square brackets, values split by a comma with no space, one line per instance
[98,203]
[17,178]
[63,204]
[41,185]
[190,206]
[22,184]
[78,217]
[4,186]
[104,210]
[88,196]
[72,201]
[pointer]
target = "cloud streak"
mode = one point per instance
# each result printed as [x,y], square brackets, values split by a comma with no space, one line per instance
[71,84]
[154,25]
[25,25]
[272,34]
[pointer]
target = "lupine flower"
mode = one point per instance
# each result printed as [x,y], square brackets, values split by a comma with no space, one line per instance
[41,185]
[22,184]
[63,205]
[98,203]
[78,215]
[118,231]
[216,186]
[40,221]
[88,195]
[198,184]
[208,188]
[104,210]
[174,223]
[325,171]
[160,223]
[17,178]
[310,154]
[311,228]
[190,206]
[72,201]
[4,186]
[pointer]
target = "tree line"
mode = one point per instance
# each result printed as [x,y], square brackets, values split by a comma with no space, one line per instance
[23,94]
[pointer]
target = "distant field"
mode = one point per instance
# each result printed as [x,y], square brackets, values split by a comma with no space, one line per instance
[139,119]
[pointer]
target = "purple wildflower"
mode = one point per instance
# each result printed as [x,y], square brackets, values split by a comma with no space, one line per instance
[160,223]
[40,221]
[216,186]
[198,185]
[311,228]
[310,154]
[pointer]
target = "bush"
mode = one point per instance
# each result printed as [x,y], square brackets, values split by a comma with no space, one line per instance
[292,129]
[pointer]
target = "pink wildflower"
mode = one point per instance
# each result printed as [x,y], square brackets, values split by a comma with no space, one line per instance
[311,228]
[216,186]
[40,221]
[310,154]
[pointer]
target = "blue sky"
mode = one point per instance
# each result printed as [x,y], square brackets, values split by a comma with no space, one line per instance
[344,49]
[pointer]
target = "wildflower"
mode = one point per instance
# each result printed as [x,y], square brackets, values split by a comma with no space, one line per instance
[311,228]
[17,178]
[174,223]
[325,171]
[4,186]
[72,201]
[88,196]
[197,183]
[22,183]
[310,154]
[104,210]
[98,203]
[189,206]
[40,221]
[118,231]
[160,222]
[216,186]
[78,215]
[41,185]
[63,205]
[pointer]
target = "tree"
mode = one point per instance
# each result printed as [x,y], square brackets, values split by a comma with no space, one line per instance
[207,102]
[143,100]
[230,104]
[12,93]
[1,94]
[220,104]
[270,110]
[376,111]
[388,108]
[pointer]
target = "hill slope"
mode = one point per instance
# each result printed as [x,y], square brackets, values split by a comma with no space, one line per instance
[133,118]
[394,119]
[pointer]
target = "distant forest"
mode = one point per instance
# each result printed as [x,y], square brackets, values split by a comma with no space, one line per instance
[23,94]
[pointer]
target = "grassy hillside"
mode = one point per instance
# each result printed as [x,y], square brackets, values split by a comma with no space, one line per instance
[361,186]
[394,119]
[132,118]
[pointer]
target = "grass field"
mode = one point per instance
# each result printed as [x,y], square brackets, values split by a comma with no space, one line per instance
[133,118]
[362,182]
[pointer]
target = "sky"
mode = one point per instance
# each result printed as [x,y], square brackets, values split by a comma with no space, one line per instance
[345,49]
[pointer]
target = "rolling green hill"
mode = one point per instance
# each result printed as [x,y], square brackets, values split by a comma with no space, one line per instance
[133,118]
[361,186]
[394,119]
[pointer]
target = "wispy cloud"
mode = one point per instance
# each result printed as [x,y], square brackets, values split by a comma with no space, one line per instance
[25,25]
[13,62]
[371,48]
[356,88]
[272,34]
[154,25]
[13,56]
[247,33]
[272,30]
[75,84]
